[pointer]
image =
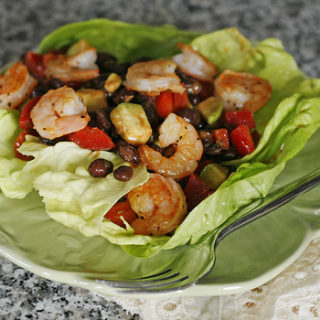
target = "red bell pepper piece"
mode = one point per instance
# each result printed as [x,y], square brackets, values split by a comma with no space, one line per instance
[195,191]
[180,101]
[167,102]
[36,63]
[242,140]
[164,104]
[19,141]
[92,138]
[25,121]
[221,137]
[236,118]
[121,209]
[255,136]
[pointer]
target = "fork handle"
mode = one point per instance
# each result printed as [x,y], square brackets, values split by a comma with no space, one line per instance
[275,200]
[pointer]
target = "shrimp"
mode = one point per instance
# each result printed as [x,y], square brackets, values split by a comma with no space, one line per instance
[240,90]
[188,149]
[160,204]
[58,113]
[78,67]
[194,64]
[152,77]
[15,86]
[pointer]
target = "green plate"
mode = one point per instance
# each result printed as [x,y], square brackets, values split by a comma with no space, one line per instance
[247,258]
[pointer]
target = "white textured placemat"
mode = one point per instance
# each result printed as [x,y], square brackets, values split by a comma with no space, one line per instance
[292,295]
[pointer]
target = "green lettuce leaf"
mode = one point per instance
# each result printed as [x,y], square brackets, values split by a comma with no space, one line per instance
[229,49]
[73,197]
[79,201]
[11,183]
[125,41]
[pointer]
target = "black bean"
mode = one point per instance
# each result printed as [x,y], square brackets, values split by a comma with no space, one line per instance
[191,115]
[114,67]
[169,151]
[194,99]
[99,168]
[55,83]
[128,152]
[184,77]
[213,150]
[113,133]
[102,57]
[153,138]
[39,90]
[229,154]
[194,87]
[206,137]
[149,107]
[96,83]
[102,120]
[121,95]
[93,121]
[49,142]
[154,146]
[123,173]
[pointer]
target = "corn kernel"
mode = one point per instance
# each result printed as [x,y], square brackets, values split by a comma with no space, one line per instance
[112,83]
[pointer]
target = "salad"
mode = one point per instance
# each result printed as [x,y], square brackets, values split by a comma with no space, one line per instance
[150,137]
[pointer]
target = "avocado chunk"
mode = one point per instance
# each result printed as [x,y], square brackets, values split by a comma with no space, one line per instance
[211,109]
[214,175]
[93,99]
[131,123]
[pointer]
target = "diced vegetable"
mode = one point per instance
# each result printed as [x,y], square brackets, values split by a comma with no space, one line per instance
[112,83]
[164,104]
[195,191]
[214,175]
[25,121]
[180,101]
[121,209]
[255,136]
[35,64]
[242,140]
[91,138]
[211,109]
[19,141]
[167,102]
[131,123]
[221,137]
[78,47]
[202,164]
[94,99]
[236,118]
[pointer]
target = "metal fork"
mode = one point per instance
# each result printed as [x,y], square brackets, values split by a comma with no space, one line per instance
[189,264]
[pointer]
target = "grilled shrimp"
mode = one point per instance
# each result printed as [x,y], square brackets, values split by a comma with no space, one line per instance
[188,149]
[240,90]
[15,86]
[78,67]
[160,204]
[58,113]
[152,77]
[194,64]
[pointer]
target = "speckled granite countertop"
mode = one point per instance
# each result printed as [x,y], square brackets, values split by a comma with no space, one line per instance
[24,23]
